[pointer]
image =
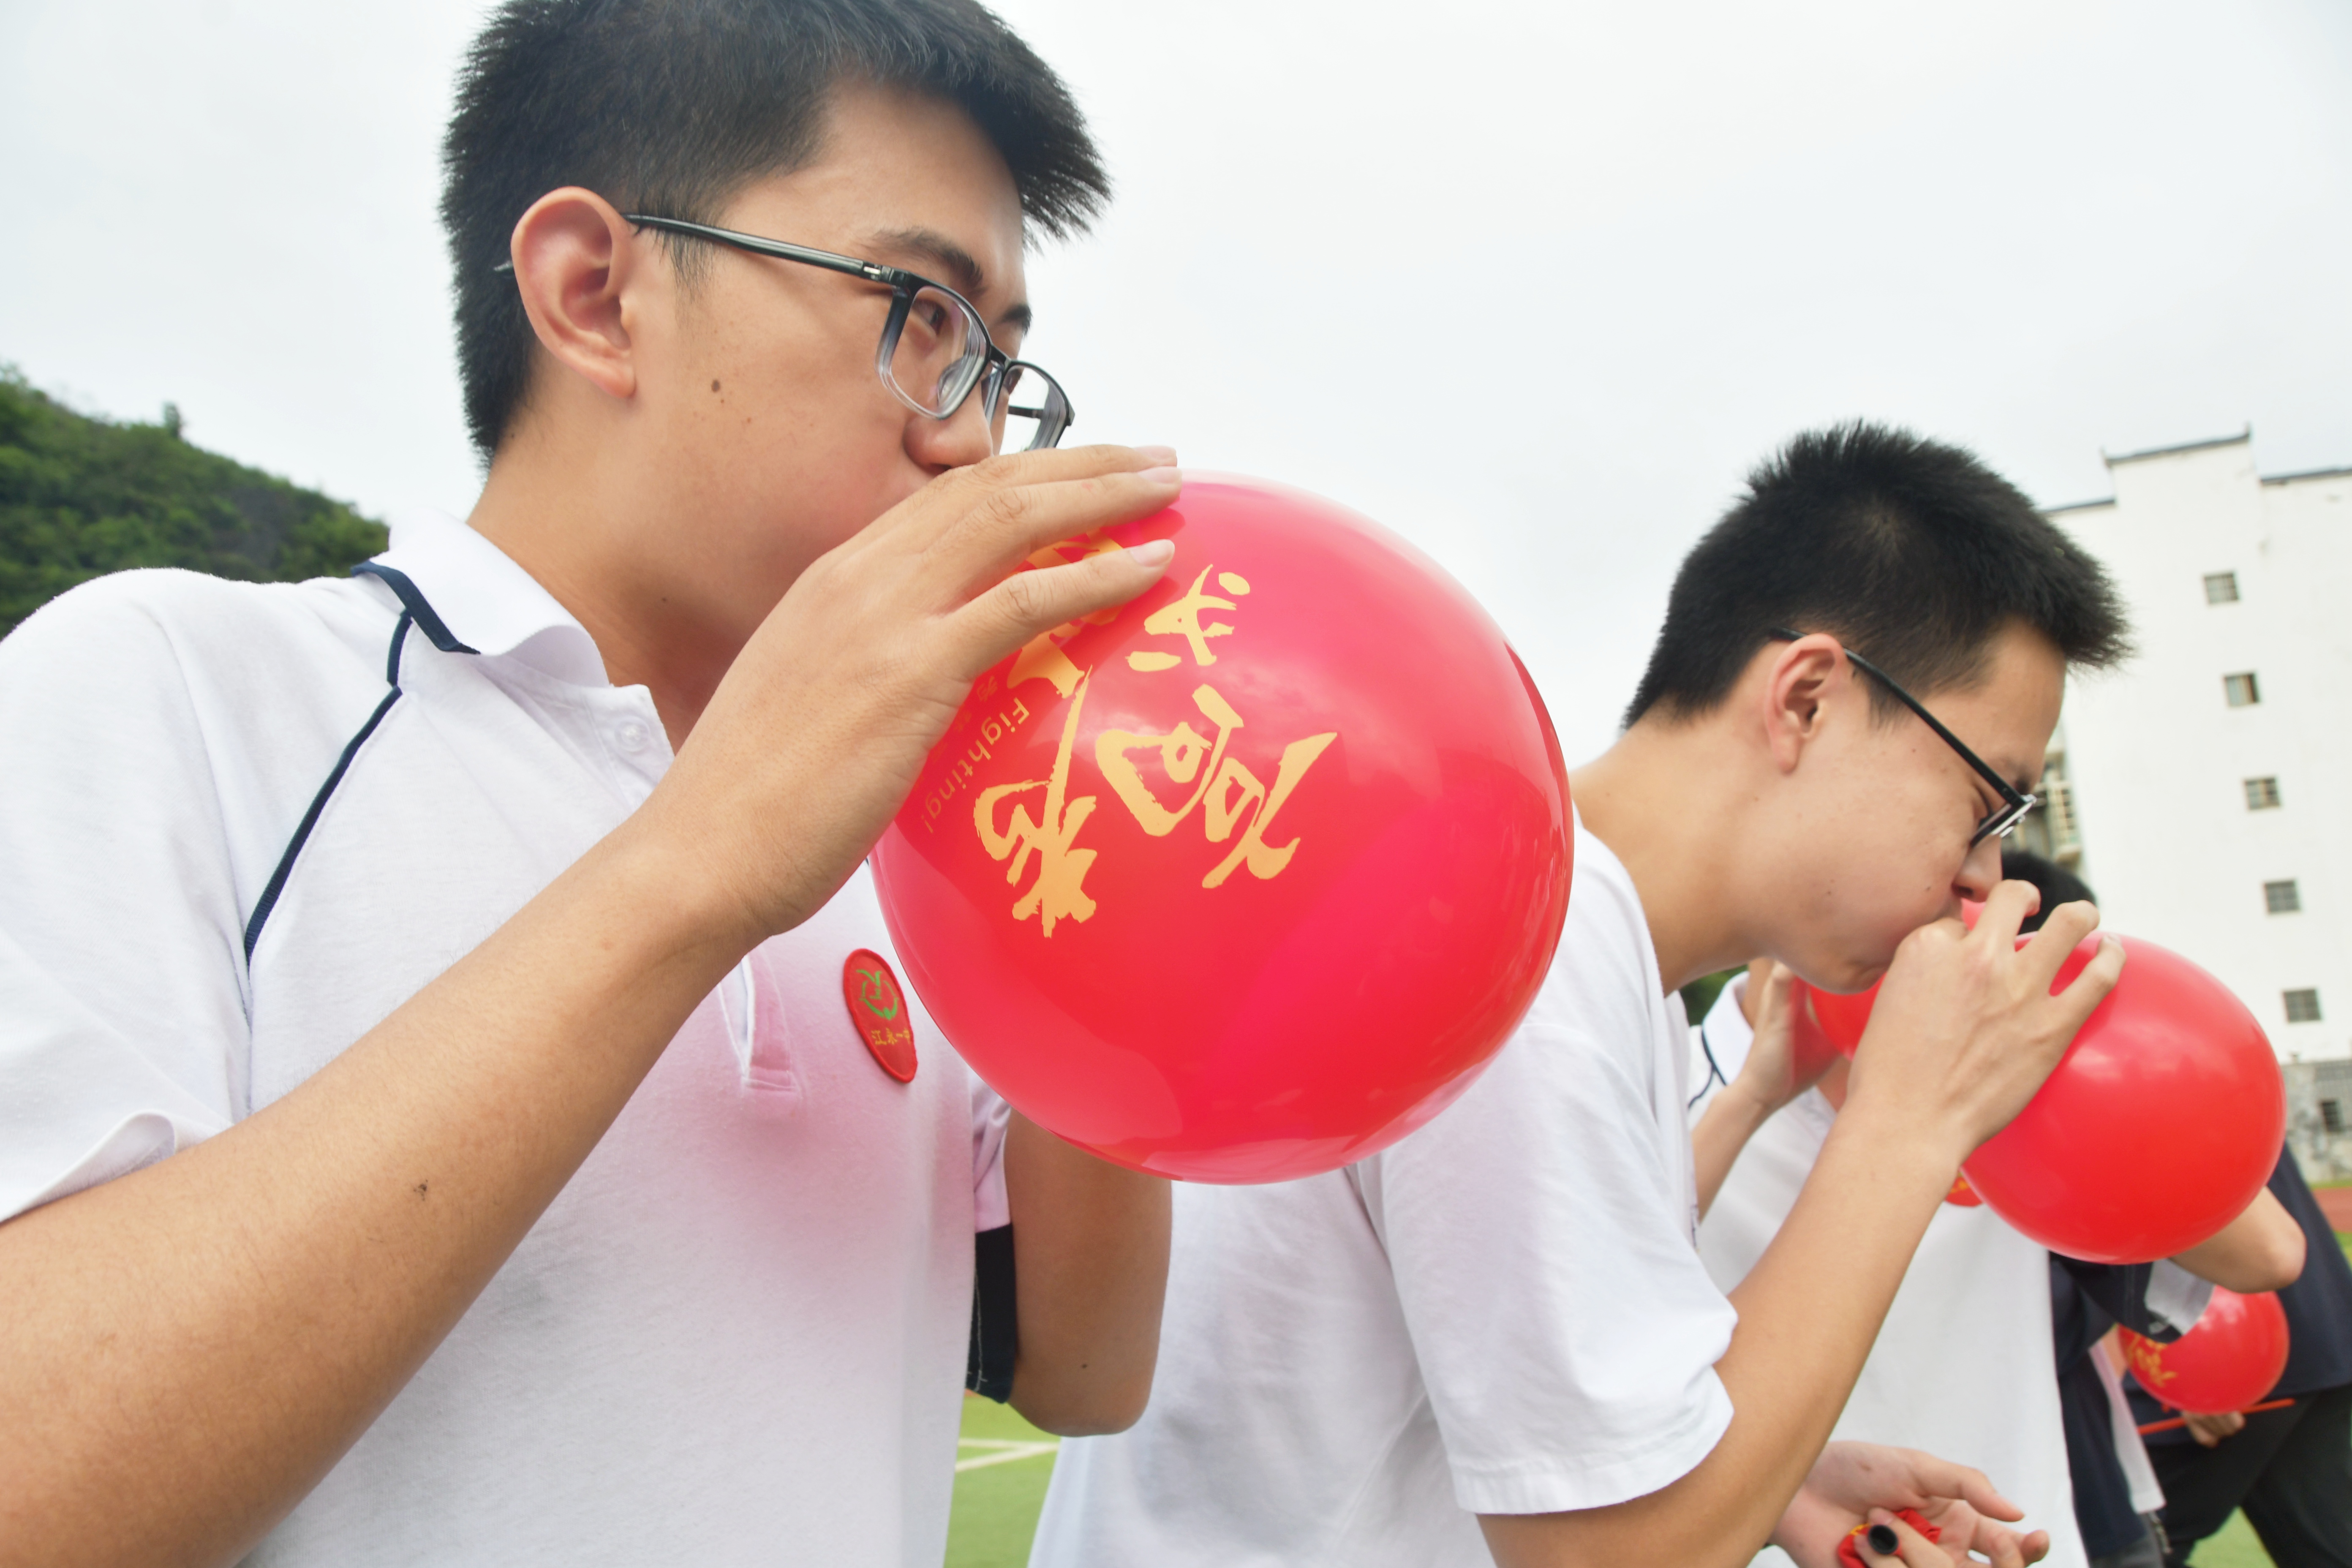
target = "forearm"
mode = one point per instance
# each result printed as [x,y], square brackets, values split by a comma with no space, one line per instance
[2262,1250]
[1724,1129]
[190,1348]
[1808,1314]
[1090,1260]
[1811,1308]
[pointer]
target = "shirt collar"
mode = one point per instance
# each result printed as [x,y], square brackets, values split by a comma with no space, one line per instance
[1730,1036]
[488,601]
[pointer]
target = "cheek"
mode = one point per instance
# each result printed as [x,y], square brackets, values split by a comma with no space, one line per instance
[1892,858]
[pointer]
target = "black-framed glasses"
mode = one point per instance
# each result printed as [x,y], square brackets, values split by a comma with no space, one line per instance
[2014,803]
[935,350]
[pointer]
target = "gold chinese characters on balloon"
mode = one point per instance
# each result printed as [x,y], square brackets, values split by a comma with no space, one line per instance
[1161,779]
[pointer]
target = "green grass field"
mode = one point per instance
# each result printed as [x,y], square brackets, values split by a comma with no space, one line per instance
[2233,1546]
[1001,1468]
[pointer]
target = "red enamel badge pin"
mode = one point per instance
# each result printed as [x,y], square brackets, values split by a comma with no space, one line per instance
[877,1009]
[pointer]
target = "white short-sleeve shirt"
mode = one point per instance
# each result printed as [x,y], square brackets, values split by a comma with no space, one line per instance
[1502,1313]
[1963,1367]
[738,1334]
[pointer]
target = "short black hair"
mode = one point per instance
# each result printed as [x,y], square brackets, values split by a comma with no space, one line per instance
[673,106]
[2057,885]
[1911,552]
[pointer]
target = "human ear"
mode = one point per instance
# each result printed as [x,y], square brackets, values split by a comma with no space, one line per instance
[572,266]
[1797,682]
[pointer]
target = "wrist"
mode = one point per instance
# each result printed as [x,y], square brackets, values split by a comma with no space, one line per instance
[1923,1144]
[1748,1106]
[668,905]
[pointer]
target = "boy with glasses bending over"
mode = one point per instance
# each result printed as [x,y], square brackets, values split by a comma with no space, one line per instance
[442,1126]
[1495,1342]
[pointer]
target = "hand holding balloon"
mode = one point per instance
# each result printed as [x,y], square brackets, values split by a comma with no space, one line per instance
[2158,1130]
[2154,1131]
[2209,1431]
[1965,1027]
[1249,877]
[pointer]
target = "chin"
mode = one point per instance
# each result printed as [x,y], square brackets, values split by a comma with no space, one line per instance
[1848,980]
[1858,964]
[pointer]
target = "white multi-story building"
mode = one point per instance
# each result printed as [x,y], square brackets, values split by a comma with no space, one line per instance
[2205,789]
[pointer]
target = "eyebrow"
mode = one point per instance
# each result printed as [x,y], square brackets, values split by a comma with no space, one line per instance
[962,270]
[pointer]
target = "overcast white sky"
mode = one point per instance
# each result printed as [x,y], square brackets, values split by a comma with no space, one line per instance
[1533,283]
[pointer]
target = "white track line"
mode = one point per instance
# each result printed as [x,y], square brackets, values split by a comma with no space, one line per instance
[1002,1451]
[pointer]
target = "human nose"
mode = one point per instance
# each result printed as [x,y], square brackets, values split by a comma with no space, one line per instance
[1981,872]
[960,440]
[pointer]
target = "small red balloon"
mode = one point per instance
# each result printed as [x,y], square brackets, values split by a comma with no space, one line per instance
[2161,1122]
[1248,878]
[2230,1360]
[1838,1019]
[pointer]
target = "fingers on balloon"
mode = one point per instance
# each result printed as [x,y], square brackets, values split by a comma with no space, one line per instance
[1136,879]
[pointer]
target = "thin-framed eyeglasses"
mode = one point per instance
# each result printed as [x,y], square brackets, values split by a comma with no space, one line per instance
[935,350]
[2014,803]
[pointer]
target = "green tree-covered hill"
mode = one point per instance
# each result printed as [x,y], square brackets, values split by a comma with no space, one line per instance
[82,496]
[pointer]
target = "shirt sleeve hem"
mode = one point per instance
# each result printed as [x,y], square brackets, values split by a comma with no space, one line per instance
[2175,1297]
[1558,1483]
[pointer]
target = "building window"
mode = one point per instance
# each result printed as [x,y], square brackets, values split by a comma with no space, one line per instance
[2261,795]
[2282,898]
[2049,829]
[2222,588]
[2302,1006]
[2241,689]
[2331,1115]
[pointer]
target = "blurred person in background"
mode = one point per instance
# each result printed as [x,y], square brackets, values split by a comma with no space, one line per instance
[2289,1469]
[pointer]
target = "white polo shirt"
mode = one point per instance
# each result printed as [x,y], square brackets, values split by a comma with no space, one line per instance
[738,1334]
[1963,1367]
[1501,1313]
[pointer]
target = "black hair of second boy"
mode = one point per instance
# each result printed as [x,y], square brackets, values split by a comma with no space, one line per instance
[1911,552]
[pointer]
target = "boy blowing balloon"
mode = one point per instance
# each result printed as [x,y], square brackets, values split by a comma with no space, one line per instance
[460,1102]
[1495,1342]
[1961,1366]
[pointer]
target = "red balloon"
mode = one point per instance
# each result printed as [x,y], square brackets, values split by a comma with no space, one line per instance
[1247,879]
[1838,1020]
[2161,1122]
[2229,1360]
